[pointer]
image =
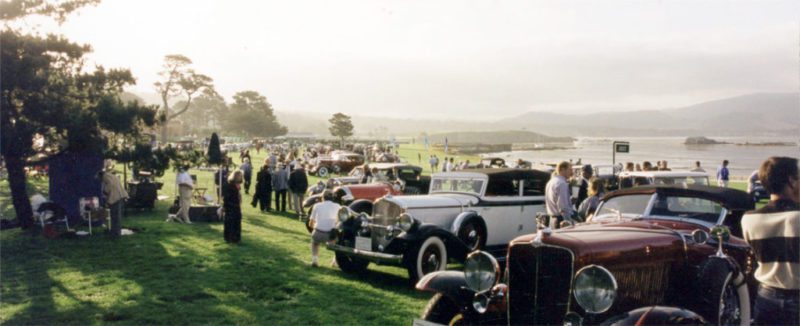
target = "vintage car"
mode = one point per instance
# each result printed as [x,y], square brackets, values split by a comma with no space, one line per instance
[641,178]
[464,211]
[646,258]
[391,179]
[337,162]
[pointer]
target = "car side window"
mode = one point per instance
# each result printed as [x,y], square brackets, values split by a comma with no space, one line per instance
[533,187]
[503,187]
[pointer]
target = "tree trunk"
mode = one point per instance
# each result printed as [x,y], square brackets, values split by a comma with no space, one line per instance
[19,193]
[164,131]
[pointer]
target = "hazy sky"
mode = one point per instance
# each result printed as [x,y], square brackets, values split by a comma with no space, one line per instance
[461,59]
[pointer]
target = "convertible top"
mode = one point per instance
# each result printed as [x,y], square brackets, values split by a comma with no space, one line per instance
[731,199]
[510,173]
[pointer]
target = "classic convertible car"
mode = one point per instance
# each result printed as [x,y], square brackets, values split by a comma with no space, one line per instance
[651,255]
[391,178]
[464,211]
[337,162]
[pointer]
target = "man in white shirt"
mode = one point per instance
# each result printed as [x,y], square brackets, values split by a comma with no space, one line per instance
[185,186]
[557,195]
[323,220]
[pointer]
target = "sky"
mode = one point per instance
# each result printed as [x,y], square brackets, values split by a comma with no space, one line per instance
[461,59]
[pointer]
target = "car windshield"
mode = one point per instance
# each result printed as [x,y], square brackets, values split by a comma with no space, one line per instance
[449,184]
[687,207]
[628,206]
[705,210]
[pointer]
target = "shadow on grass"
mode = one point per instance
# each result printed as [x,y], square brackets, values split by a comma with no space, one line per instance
[179,274]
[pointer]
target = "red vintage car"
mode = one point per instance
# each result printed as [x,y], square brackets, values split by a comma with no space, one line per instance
[337,162]
[652,255]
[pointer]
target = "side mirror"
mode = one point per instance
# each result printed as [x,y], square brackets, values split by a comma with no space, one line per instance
[700,236]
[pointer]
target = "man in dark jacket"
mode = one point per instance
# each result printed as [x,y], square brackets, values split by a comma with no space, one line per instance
[586,176]
[263,191]
[298,183]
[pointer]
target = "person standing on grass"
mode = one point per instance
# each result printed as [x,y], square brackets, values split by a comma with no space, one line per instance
[697,167]
[298,183]
[723,175]
[773,231]
[583,189]
[280,182]
[185,186]
[232,207]
[247,171]
[322,220]
[115,196]
[263,191]
[557,197]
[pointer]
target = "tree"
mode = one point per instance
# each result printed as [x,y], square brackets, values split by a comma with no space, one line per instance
[341,126]
[47,94]
[205,112]
[251,115]
[214,152]
[179,78]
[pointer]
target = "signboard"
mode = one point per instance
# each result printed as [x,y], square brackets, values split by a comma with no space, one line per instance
[619,147]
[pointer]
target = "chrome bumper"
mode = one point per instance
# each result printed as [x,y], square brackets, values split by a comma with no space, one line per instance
[368,255]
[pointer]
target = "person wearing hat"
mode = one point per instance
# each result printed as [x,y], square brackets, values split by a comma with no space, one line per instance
[583,189]
[115,196]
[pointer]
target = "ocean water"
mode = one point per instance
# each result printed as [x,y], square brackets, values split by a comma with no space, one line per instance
[743,159]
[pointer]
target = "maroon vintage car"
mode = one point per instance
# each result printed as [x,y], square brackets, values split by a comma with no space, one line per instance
[387,179]
[651,255]
[337,162]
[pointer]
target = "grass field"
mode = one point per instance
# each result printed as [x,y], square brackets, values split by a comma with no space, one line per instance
[170,273]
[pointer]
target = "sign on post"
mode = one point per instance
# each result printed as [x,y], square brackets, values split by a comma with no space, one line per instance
[619,147]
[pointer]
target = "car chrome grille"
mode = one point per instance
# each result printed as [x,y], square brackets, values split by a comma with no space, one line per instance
[539,281]
[641,285]
[384,213]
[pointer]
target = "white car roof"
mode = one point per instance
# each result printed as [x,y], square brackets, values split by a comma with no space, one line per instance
[664,174]
[460,174]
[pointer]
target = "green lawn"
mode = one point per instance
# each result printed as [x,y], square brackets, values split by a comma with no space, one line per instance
[171,273]
[186,274]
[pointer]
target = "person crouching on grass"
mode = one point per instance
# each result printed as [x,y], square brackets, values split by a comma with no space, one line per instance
[232,207]
[323,220]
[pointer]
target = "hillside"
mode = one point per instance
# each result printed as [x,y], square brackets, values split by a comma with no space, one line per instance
[754,114]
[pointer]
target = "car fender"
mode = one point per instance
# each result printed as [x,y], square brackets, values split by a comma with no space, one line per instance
[463,218]
[361,205]
[451,284]
[456,249]
[657,315]
[312,200]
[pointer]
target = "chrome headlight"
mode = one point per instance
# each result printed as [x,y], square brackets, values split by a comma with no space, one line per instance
[405,222]
[343,214]
[595,289]
[481,271]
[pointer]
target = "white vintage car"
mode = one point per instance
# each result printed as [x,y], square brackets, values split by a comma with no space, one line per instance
[464,211]
[642,178]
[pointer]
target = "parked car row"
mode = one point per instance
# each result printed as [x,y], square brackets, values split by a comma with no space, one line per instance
[666,248]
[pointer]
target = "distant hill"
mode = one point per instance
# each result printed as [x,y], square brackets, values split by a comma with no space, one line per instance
[754,114]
